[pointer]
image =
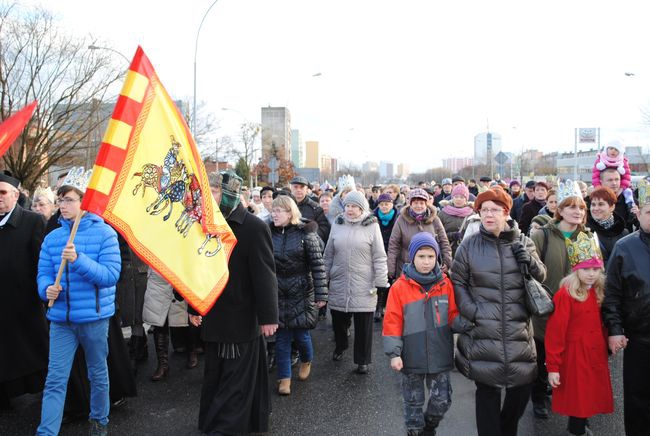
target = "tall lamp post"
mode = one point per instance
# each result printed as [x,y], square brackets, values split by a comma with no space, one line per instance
[95,47]
[196,47]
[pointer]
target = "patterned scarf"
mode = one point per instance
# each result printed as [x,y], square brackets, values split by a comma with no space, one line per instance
[419,217]
[606,223]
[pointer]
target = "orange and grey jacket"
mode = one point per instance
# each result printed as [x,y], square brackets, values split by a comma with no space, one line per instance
[418,325]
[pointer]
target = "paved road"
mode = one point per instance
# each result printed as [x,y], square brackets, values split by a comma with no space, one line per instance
[334,401]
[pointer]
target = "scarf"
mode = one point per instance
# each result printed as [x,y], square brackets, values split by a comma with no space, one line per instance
[385,218]
[354,220]
[419,217]
[424,280]
[607,223]
[457,211]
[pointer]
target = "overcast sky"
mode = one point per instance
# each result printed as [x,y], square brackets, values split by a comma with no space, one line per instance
[407,81]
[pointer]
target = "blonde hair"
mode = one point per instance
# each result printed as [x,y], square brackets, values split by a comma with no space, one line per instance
[285,202]
[575,288]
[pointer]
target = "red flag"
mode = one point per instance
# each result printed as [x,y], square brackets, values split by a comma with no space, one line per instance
[12,126]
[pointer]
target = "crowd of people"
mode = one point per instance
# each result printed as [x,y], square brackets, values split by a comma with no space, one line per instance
[442,266]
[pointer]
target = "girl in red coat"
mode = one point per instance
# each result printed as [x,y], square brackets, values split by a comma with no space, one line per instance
[576,341]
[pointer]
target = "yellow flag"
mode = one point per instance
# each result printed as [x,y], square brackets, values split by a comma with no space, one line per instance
[150,184]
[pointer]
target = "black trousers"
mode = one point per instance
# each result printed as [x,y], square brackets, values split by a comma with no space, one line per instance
[494,420]
[363,324]
[636,388]
[540,383]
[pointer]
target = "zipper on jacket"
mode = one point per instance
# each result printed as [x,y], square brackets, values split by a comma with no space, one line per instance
[503,313]
[97,299]
[67,294]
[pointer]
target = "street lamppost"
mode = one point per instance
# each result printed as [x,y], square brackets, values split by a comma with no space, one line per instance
[95,47]
[196,47]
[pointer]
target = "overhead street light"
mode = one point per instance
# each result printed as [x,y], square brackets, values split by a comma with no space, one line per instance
[95,47]
[196,47]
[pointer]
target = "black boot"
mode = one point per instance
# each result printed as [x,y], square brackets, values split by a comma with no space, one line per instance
[430,425]
[161,341]
[138,348]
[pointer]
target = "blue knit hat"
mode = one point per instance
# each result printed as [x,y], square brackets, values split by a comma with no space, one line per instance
[422,239]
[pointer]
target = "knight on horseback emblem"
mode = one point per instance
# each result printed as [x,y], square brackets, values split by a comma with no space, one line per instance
[174,184]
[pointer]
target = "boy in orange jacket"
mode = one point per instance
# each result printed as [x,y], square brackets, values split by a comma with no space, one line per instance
[418,322]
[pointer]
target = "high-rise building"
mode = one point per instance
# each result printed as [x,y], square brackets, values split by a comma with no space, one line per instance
[311,155]
[326,165]
[486,146]
[455,164]
[386,170]
[296,148]
[276,132]
[368,167]
[403,171]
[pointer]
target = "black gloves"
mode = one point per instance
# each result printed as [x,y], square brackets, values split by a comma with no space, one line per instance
[521,254]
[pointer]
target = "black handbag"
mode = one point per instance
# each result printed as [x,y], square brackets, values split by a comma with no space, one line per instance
[538,295]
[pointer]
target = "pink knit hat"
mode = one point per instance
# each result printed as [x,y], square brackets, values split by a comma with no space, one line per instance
[460,189]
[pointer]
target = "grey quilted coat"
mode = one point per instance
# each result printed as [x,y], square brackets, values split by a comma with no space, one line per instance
[499,351]
[355,263]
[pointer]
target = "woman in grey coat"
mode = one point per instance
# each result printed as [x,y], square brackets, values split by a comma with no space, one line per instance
[355,263]
[499,351]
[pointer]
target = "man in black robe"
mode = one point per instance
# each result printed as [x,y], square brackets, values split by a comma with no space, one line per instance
[24,338]
[235,394]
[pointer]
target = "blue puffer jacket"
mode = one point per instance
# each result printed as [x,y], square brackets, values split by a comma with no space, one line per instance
[88,283]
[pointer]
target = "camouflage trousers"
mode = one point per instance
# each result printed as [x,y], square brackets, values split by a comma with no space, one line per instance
[413,391]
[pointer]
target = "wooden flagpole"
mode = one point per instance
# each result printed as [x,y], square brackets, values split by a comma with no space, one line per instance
[73,233]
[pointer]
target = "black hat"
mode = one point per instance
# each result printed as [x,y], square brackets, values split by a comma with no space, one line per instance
[485,179]
[457,178]
[299,180]
[530,184]
[4,177]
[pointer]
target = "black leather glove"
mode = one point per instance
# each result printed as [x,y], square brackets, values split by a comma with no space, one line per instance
[521,254]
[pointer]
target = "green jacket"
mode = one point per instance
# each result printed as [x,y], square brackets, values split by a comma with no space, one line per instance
[554,255]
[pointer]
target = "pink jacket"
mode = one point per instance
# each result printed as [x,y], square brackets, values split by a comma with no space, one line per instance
[620,164]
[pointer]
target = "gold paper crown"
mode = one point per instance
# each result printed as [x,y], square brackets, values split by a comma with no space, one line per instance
[78,178]
[568,189]
[583,249]
[644,192]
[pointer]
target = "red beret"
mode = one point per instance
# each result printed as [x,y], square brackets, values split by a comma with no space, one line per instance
[496,194]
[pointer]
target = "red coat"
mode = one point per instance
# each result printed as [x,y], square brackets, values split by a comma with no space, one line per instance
[576,347]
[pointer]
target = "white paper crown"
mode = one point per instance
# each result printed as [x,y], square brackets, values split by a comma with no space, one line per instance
[44,192]
[568,189]
[78,178]
[346,182]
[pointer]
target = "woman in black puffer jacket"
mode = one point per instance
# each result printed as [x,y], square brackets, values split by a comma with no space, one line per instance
[499,351]
[302,286]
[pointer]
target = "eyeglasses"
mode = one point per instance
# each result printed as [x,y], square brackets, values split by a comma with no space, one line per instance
[492,212]
[277,210]
[66,200]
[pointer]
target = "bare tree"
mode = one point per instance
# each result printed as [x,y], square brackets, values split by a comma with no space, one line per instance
[245,148]
[71,83]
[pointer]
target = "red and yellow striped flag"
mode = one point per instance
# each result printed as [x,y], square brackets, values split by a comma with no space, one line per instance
[150,184]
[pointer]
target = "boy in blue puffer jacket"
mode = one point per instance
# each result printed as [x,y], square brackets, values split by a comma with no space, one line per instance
[83,304]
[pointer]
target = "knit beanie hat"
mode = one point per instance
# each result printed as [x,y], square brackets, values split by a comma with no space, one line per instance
[356,198]
[384,198]
[460,189]
[615,144]
[422,239]
[542,220]
[495,194]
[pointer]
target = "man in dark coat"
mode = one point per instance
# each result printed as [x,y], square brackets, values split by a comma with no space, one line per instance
[626,314]
[523,198]
[308,208]
[235,394]
[531,208]
[24,338]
